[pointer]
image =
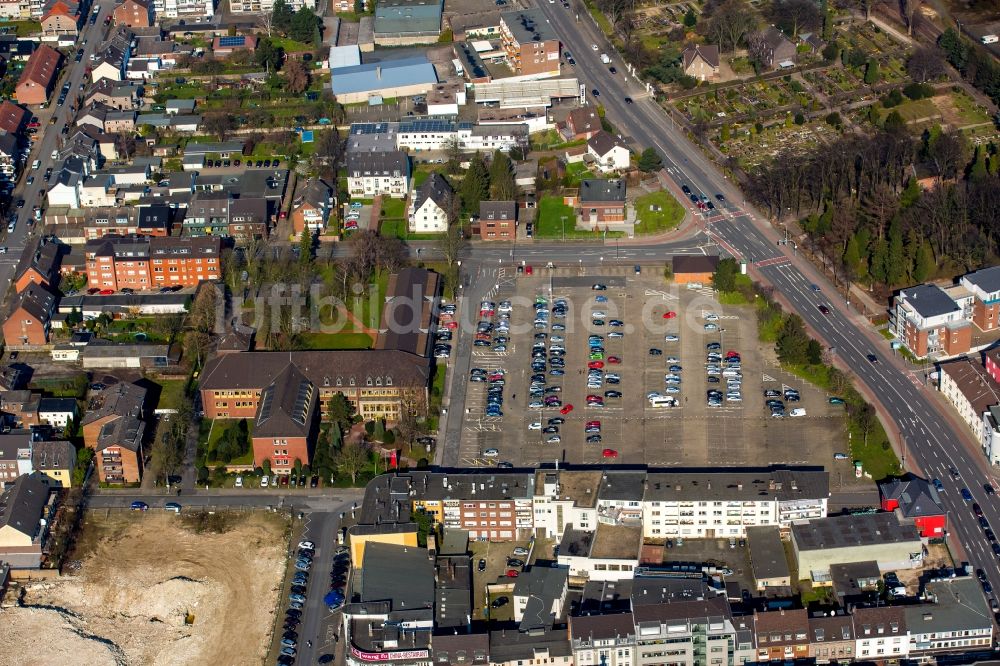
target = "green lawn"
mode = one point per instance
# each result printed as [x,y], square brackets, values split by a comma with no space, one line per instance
[397,228]
[393,208]
[913,110]
[658,212]
[218,429]
[23,28]
[171,393]
[292,46]
[335,341]
[552,210]
[575,172]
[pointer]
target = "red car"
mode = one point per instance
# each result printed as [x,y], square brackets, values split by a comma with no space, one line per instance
[452,325]
[669,315]
[107,292]
[566,409]
[593,424]
[596,365]
[731,353]
[609,453]
[594,398]
[512,573]
[34,124]
[614,360]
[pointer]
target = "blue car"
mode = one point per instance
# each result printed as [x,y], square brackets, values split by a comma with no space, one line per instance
[966,495]
[938,485]
[139,506]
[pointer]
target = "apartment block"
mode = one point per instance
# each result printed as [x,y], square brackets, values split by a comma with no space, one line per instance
[146,262]
[930,322]
[984,285]
[971,389]
[530,42]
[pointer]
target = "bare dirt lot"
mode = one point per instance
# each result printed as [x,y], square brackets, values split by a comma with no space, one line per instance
[140,578]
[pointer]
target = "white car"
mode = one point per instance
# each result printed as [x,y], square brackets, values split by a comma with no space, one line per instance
[711,327]
[594,47]
[554,439]
[711,316]
[491,453]
[308,545]
[798,411]
[239,482]
[264,481]
[670,337]
[537,425]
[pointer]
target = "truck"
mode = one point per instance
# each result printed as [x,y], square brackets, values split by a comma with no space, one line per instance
[605,58]
[990,39]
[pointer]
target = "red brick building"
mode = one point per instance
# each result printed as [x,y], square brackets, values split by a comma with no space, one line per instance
[782,636]
[497,220]
[530,42]
[39,76]
[114,428]
[599,203]
[30,319]
[134,14]
[13,118]
[916,501]
[144,262]
[286,421]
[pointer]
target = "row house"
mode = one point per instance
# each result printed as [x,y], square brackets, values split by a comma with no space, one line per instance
[38,76]
[150,220]
[134,14]
[691,632]
[114,428]
[971,389]
[497,221]
[497,508]
[221,214]
[930,322]
[144,262]
[62,18]
[195,10]
[30,318]
[435,134]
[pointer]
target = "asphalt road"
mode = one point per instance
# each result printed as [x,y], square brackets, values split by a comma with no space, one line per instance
[22,238]
[932,446]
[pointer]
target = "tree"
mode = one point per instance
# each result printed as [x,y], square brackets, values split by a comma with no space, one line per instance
[793,342]
[923,265]
[926,63]
[724,278]
[895,264]
[351,460]
[502,184]
[475,184]
[219,125]
[340,412]
[650,160]
[269,56]
[125,144]
[297,76]
[795,15]
[265,465]
[379,432]
[814,352]
[196,345]
[84,457]
[74,317]
[303,27]
[690,18]
[731,23]
[948,151]
[894,122]
[871,72]
[281,16]
[305,248]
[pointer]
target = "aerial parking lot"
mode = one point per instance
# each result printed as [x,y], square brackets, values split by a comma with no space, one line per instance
[626,368]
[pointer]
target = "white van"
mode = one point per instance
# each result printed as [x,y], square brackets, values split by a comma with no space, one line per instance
[35,165]
[798,411]
[662,401]
[990,39]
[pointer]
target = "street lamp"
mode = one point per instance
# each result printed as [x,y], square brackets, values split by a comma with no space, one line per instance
[563,218]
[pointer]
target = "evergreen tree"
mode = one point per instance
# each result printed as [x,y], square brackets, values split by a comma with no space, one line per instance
[852,256]
[895,266]
[303,26]
[814,352]
[793,342]
[871,72]
[978,171]
[502,184]
[281,16]
[690,19]
[877,266]
[993,164]
[923,266]
[650,160]
[305,248]
[475,184]
[910,194]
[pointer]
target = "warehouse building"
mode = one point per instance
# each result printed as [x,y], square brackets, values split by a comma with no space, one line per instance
[879,537]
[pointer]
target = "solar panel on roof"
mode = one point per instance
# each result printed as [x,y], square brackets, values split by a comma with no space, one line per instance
[232,41]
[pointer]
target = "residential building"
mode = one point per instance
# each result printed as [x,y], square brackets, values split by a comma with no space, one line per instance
[609,552]
[15,455]
[38,77]
[391,78]
[855,583]
[21,406]
[227,45]
[694,269]
[701,61]
[970,388]
[550,646]
[540,597]
[407,22]
[778,51]
[24,520]
[565,499]
[599,203]
[376,381]
[724,504]
[691,631]
[151,220]
[984,285]
[581,123]
[286,422]
[222,214]
[266,6]
[530,43]
[313,205]
[603,640]
[393,533]
[378,174]
[39,267]
[491,508]
[929,322]
[185,9]
[57,412]
[991,434]
[609,152]
[432,207]
[916,500]
[61,18]
[880,633]
[30,319]
[13,118]
[767,558]
[831,639]
[134,14]
[958,619]
[144,262]
[114,428]
[881,537]
[434,134]
[55,459]
[781,636]
[497,220]
[119,95]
